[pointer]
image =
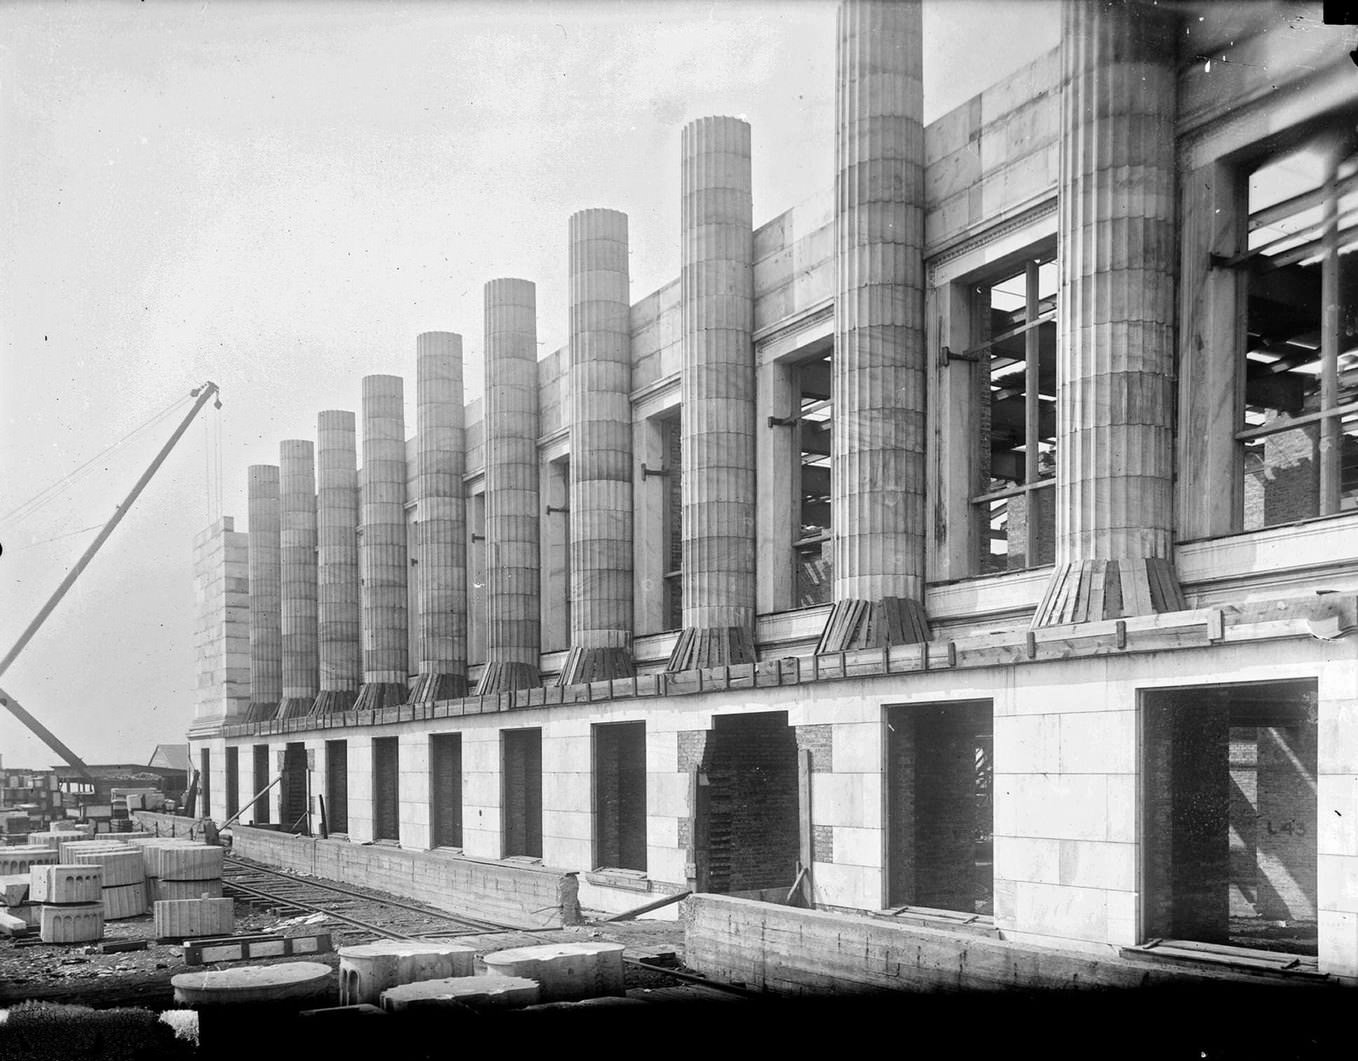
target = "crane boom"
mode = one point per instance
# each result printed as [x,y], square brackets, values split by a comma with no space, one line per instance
[203,394]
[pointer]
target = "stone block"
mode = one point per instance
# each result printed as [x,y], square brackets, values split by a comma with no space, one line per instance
[161,890]
[120,867]
[82,923]
[65,884]
[184,862]
[368,969]
[22,859]
[185,918]
[563,971]
[475,991]
[13,889]
[124,900]
[71,846]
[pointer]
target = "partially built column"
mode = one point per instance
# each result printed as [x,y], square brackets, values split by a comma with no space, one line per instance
[301,662]
[717,395]
[513,628]
[382,553]
[601,450]
[440,519]
[266,599]
[877,466]
[1115,346]
[337,583]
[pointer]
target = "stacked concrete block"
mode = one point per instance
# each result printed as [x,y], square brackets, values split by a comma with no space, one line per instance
[124,887]
[68,849]
[601,450]
[441,519]
[72,902]
[338,605]
[21,859]
[564,971]
[14,888]
[368,969]
[382,553]
[181,870]
[221,633]
[298,574]
[513,630]
[188,918]
[478,992]
[266,594]
[718,393]
[1115,346]
[877,459]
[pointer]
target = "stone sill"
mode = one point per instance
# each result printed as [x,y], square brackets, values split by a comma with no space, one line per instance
[625,879]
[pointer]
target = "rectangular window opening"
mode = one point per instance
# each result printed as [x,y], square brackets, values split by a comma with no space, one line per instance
[1015,322]
[940,806]
[1299,423]
[232,781]
[205,773]
[812,550]
[522,802]
[1230,816]
[673,522]
[337,785]
[296,788]
[386,789]
[620,796]
[262,778]
[445,781]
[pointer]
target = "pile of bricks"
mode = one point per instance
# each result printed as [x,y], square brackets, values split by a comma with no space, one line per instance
[72,902]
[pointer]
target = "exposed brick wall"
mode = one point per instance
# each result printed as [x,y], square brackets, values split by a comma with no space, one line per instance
[1244,814]
[900,785]
[294,784]
[1284,485]
[1286,836]
[620,794]
[819,741]
[337,785]
[386,789]
[445,789]
[263,775]
[692,747]
[523,792]
[232,780]
[822,843]
[749,826]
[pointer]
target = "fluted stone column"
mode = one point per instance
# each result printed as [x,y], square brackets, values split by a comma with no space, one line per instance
[717,392]
[382,554]
[601,450]
[441,519]
[877,467]
[301,661]
[1115,352]
[337,590]
[266,601]
[513,628]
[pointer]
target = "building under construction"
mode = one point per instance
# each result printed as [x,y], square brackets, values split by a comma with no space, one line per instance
[974,546]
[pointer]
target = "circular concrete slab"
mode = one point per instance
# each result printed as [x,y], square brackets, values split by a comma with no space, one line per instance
[474,991]
[564,971]
[368,969]
[399,947]
[252,983]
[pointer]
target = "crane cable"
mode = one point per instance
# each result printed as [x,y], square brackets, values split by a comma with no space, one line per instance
[53,491]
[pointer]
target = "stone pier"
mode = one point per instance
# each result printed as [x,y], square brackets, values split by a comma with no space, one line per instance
[297,493]
[337,591]
[441,519]
[513,630]
[382,553]
[877,379]
[718,395]
[1115,348]
[266,595]
[601,450]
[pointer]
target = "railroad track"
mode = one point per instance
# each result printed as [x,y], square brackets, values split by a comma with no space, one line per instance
[380,914]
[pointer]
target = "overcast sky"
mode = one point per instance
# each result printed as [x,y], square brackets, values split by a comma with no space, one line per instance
[280,197]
